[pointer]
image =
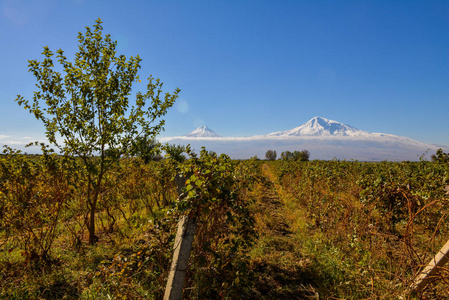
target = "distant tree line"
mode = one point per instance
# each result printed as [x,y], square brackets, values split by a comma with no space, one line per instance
[303,155]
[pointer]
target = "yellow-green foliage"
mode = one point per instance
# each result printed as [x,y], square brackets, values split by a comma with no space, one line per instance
[371,226]
[279,229]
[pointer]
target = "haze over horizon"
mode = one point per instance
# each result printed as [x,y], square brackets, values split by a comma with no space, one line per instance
[252,68]
[324,139]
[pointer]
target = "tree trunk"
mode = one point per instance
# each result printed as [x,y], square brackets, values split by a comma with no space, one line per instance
[92,237]
[93,207]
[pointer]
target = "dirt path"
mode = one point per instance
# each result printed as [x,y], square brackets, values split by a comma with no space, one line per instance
[271,204]
[280,270]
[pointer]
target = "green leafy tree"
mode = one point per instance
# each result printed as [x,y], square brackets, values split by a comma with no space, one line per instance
[440,156]
[175,152]
[89,106]
[286,155]
[271,155]
[303,155]
[147,148]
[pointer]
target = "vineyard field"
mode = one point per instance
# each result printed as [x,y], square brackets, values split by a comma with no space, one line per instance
[266,229]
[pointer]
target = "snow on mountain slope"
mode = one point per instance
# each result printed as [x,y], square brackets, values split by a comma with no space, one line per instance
[323,138]
[203,131]
[321,127]
[327,147]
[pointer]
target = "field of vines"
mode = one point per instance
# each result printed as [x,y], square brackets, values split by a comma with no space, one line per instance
[265,229]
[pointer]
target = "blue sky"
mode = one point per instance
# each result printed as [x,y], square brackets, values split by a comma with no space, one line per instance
[253,67]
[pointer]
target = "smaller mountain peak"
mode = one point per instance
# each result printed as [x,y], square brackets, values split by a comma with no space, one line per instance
[203,131]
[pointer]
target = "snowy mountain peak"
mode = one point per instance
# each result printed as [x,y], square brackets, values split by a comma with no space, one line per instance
[318,126]
[203,131]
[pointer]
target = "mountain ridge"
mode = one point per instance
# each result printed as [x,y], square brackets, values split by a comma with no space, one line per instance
[323,138]
[319,126]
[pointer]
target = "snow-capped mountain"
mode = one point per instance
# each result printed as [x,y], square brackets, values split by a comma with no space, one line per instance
[203,131]
[322,127]
[323,138]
